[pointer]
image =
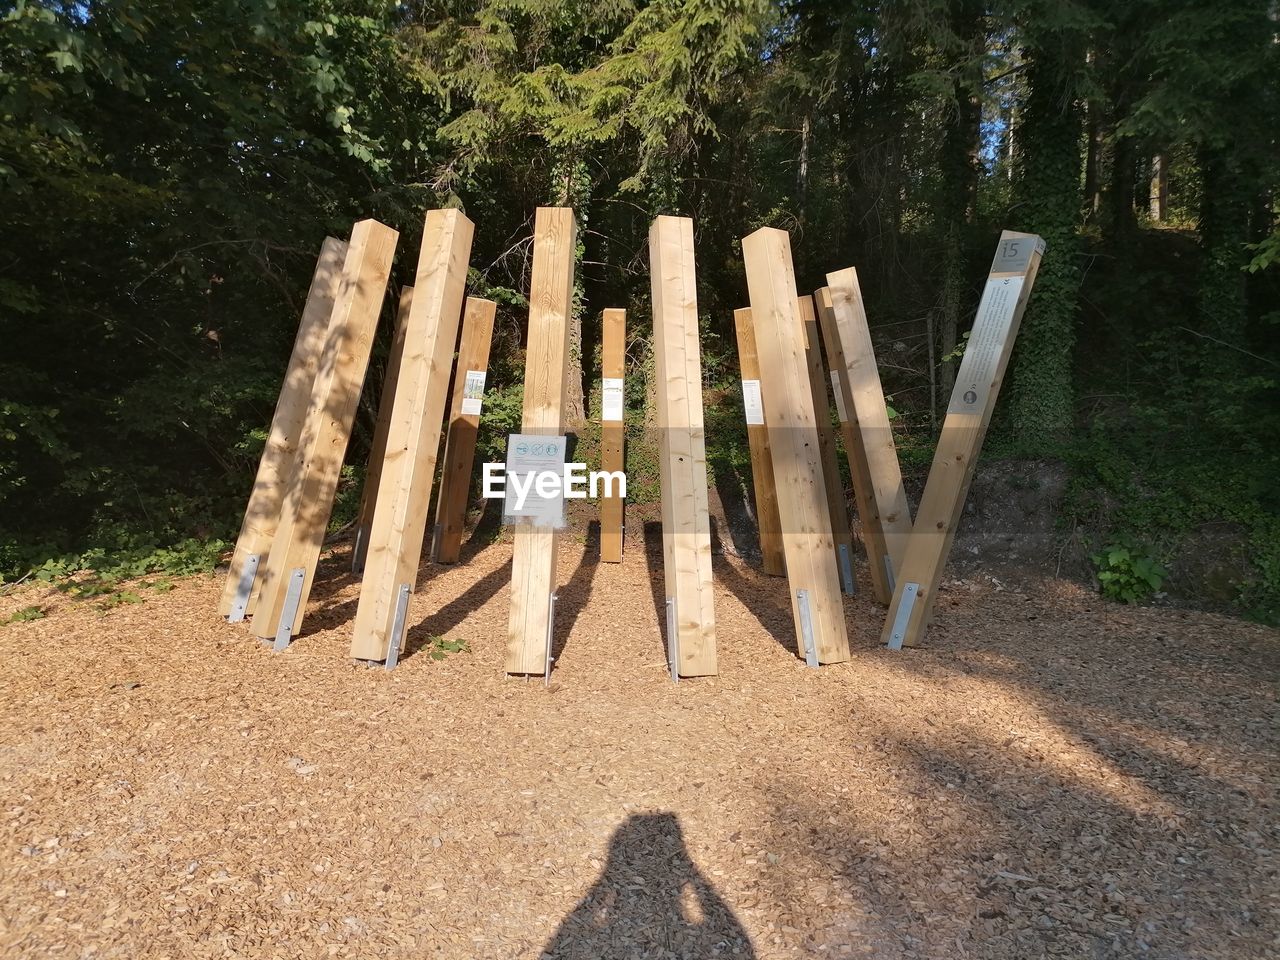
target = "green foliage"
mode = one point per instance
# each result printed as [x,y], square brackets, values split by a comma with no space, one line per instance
[1128,574]
[27,614]
[440,647]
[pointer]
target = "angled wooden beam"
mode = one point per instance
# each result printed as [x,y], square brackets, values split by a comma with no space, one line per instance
[682,453]
[533,565]
[413,440]
[240,593]
[1013,273]
[464,427]
[816,603]
[613,362]
[818,382]
[304,515]
[773,559]
[878,489]
[378,447]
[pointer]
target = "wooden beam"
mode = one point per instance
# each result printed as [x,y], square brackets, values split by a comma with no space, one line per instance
[413,440]
[882,500]
[682,454]
[464,426]
[773,559]
[533,565]
[276,464]
[818,383]
[304,514]
[1013,273]
[378,447]
[613,363]
[797,454]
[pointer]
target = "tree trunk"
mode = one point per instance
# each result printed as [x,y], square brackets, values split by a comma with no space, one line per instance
[1224,232]
[571,187]
[1159,198]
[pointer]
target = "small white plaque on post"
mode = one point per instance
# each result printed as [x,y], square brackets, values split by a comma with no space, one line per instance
[611,399]
[531,462]
[835,388]
[473,393]
[752,403]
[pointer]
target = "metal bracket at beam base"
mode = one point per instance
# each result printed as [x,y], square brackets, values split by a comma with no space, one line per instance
[806,629]
[846,570]
[900,622]
[244,588]
[673,641]
[551,636]
[292,597]
[357,551]
[395,642]
[888,574]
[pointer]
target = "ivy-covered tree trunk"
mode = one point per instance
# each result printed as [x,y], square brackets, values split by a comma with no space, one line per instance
[571,187]
[1041,395]
[1224,230]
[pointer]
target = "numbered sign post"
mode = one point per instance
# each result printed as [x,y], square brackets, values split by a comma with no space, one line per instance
[533,567]
[240,593]
[1013,272]
[814,582]
[873,456]
[773,560]
[613,359]
[840,529]
[413,441]
[464,428]
[682,453]
[304,514]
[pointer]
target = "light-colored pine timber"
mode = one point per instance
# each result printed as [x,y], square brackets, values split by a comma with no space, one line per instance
[378,447]
[613,363]
[413,439]
[276,464]
[773,559]
[460,441]
[686,521]
[546,371]
[793,438]
[882,500]
[1013,273]
[304,514]
[819,382]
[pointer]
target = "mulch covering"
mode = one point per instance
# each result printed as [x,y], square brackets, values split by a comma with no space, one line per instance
[1052,776]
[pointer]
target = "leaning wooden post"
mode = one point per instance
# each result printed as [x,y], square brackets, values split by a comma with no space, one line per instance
[682,453]
[400,514]
[840,529]
[773,560]
[1013,273]
[816,604]
[873,456]
[378,448]
[240,593]
[533,565]
[304,515]
[613,359]
[464,427]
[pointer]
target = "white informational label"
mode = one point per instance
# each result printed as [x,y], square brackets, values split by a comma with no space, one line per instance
[835,387]
[611,398]
[752,403]
[986,342]
[531,462]
[473,393]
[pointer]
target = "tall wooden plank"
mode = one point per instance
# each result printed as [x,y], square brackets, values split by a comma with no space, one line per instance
[686,519]
[841,531]
[378,447]
[413,440]
[304,515]
[276,464]
[793,436]
[1013,273]
[613,362]
[533,566]
[464,427]
[773,559]
[886,516]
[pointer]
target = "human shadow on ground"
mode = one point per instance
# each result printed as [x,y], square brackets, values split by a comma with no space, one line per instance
[650,901]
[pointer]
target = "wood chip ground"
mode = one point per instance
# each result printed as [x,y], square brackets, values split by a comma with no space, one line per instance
[1051,776]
